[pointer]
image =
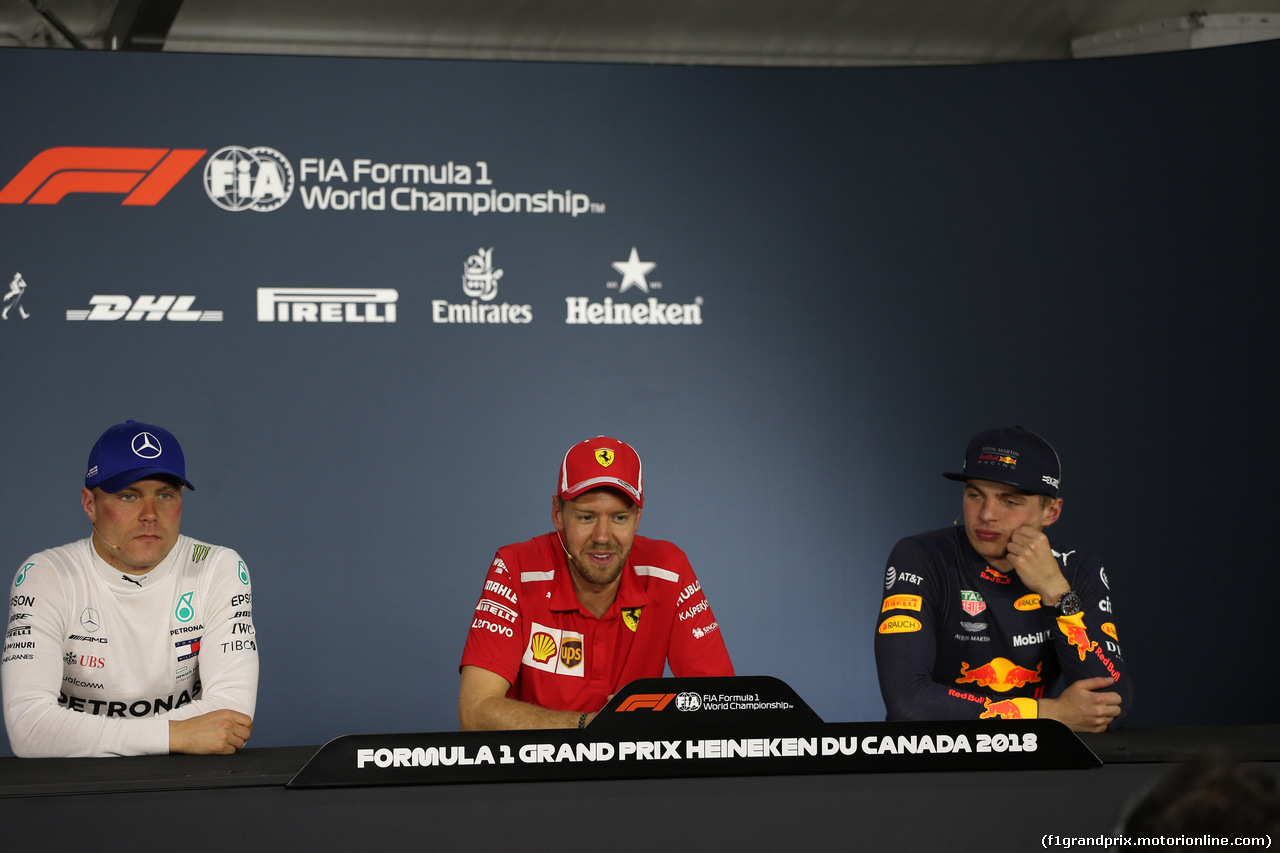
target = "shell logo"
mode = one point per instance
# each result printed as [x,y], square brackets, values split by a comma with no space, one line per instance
[543,647]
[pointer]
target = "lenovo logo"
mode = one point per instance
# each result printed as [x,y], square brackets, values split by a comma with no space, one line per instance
[144,175]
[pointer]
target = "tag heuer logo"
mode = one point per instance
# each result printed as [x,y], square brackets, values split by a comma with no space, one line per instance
[972,603]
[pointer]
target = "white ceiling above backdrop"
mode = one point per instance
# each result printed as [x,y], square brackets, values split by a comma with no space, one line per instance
[720,32]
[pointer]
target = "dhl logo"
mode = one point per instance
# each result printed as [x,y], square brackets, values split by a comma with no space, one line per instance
[1001,674]
[652,701]
[145,174]
[902,602]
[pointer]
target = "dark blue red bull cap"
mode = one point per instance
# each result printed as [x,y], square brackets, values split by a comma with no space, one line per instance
[1015,457]
[133,451]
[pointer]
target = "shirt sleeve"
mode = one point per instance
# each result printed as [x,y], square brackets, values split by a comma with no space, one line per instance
[229,646]
[495,640]
[696,646]
[1087,643]
[31,677]
[906,640]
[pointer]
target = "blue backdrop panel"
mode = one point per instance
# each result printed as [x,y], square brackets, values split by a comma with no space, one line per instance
[882,261]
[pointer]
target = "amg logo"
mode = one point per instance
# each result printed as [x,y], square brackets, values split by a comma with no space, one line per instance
[147,307]
[327,304]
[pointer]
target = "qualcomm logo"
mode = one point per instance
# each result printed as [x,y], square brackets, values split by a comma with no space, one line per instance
[480,282]
[258,178]
[327,304]
[116,307]
[13,299]
[580,310]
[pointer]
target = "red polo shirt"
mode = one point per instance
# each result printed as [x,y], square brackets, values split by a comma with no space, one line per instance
[530,628]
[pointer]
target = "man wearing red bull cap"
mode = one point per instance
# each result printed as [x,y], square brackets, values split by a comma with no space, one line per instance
[980,621]
[135,640]
[566,619]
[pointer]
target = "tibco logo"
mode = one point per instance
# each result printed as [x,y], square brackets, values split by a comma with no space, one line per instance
[146,174]
[258,178]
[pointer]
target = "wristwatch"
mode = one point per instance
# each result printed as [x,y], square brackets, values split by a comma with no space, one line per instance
[1069,604]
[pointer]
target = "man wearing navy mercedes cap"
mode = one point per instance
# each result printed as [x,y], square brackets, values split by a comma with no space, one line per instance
[984,621]
[135,640]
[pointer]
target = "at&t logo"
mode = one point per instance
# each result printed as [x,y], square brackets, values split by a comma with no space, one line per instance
[258,178]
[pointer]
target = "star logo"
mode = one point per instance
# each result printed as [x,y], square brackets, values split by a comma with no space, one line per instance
[146,445]
[89,620]
[633,272]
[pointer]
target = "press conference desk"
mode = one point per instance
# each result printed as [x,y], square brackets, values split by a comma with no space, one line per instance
[241,802]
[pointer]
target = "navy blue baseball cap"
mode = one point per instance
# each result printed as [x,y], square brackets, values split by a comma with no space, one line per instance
[1015,457]
[133,451]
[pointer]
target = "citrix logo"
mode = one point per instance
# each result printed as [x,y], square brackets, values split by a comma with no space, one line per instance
[144,175]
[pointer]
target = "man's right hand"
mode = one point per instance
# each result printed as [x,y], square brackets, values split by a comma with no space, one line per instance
[1082,707]
[215,733]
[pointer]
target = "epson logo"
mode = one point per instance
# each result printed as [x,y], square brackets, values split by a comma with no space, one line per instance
[145,307]
[327,304]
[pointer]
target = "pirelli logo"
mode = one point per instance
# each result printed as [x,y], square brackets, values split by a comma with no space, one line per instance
[142,175]
[646,702]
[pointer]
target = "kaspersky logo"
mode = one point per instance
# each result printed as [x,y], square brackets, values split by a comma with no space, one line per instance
[142,175]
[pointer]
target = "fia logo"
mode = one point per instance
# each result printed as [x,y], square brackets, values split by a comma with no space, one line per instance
[238,178]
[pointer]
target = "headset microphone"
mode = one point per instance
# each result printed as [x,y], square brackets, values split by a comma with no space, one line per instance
[103,538]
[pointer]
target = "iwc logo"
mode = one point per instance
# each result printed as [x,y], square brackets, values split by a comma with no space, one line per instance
[688,702]
[237,178]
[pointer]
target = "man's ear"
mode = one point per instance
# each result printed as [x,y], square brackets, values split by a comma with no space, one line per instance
[1053,511]
[557,513]
[90,504]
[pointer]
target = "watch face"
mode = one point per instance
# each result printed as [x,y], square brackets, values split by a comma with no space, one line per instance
[1069,605]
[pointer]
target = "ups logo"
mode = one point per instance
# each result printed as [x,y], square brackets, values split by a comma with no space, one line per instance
[571,652]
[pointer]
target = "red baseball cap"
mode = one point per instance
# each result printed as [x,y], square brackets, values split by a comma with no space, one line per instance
[601,461]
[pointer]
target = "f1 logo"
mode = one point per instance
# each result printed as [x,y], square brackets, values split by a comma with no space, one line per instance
[146,174]
[655,701]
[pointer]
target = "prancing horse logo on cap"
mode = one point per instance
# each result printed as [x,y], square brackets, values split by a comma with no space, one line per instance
[605,457]
[146,445]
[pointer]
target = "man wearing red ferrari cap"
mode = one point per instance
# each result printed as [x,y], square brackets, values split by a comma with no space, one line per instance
[566,619]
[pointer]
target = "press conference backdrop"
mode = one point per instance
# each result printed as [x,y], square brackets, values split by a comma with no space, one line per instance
[377,300]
